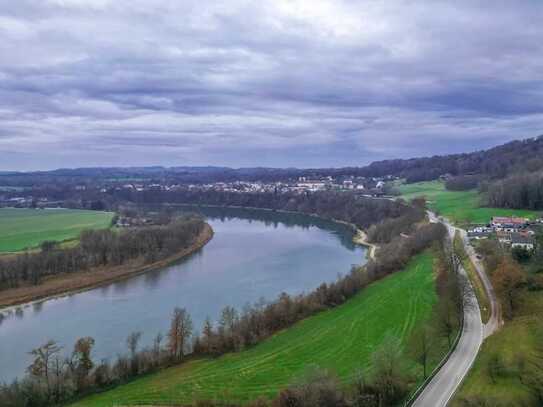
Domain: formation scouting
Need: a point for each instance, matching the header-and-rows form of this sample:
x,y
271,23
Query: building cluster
x,y
360,185
28,201
511,231
364,186
133,221
37,198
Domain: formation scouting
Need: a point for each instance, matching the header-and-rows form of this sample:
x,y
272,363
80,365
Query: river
x,y
253,255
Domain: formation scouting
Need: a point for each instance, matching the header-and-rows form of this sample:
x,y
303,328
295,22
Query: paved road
x,y
495,319
444,384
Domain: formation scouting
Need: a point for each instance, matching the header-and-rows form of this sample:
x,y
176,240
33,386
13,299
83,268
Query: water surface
x,y
253,255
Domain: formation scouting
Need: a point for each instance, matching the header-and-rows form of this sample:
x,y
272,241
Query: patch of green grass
x,y
516,339
461,207
342,339
27,228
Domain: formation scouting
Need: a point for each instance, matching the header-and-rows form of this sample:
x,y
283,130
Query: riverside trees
x,y
345,206
101,248
179,334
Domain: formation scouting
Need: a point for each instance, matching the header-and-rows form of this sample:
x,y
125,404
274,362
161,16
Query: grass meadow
x,y
518,340
461,207
341,339
27,228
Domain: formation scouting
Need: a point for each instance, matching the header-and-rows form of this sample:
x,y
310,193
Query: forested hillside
x,y
522,191
498,162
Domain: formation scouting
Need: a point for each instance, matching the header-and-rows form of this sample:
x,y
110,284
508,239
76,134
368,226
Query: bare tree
x,y
389,380
43,362
180,332
447,319
507,279
229,317
81,361
132,342
420,347
157,347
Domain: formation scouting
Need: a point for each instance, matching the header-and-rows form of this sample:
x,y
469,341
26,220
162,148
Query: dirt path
x,y
361,238
65,284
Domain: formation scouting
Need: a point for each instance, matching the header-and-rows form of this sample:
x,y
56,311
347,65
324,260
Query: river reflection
x,y
254,254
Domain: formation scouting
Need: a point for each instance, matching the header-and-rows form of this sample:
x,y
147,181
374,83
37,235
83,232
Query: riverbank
x,y
360,237
61,285
264,369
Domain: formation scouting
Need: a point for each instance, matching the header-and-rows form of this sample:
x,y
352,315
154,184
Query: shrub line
x,y
425,383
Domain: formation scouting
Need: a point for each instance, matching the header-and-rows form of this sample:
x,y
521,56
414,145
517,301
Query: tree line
x,y
515,157
53,378
385,230
100,248
462,182
361,211
524,191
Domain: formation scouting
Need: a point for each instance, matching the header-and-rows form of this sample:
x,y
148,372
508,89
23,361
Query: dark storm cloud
x,y
304,83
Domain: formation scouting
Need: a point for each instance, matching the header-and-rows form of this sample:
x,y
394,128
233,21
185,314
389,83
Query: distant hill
x,y
495,163
498,162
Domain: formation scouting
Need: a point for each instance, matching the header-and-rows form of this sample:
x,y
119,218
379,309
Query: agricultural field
x,y
461,207
341,339
27,228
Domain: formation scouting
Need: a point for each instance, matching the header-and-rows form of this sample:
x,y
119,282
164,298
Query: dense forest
x,y
498,162
100,248
54,377
524,191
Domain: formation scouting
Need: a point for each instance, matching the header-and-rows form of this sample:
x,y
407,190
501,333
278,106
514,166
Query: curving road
x,y
495,320
440,390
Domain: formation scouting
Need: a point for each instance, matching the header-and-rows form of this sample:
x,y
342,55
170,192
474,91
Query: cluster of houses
x,y
511,231
133,221
359,185
28,202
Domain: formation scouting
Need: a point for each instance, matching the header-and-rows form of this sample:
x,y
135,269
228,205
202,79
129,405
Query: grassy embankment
x,y
461,207
27,228
477,283
517,340
342,339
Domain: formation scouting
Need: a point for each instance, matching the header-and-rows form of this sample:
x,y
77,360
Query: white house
x,y
522,241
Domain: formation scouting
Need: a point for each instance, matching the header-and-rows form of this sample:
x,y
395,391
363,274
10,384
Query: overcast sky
x,y
263,83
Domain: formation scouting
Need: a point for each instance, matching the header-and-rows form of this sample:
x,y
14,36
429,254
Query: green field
x,y
342,339
517,340
27,228
461,207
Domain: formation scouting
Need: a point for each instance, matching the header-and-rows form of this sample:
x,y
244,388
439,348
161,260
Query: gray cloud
x,y
304,83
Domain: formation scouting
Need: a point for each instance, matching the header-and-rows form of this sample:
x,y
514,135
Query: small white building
x,y
522,241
